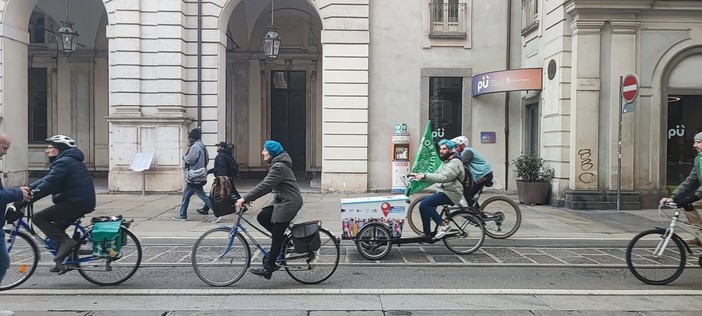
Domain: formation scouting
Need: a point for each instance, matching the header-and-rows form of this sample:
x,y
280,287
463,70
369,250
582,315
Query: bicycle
x,y
22,244
501,216
221,256
648,255
374,241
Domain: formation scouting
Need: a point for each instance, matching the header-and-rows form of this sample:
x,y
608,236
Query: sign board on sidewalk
x,y
141,162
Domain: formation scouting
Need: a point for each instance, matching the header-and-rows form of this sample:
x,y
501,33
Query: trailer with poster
x,y
357,212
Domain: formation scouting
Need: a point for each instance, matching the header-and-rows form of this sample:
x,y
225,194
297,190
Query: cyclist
x,y
690,190
450,175
72,190
286,202
478,169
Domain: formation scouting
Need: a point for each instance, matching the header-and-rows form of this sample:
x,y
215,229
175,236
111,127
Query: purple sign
x,y
488,137
507,80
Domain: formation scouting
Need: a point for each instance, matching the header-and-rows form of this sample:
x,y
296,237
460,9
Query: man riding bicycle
x,y
72,190
478,169
450,174
690,191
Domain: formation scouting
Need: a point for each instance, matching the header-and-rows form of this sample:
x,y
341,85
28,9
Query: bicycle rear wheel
x,y
316,267
503,217
374,241
24,257
108,270
414,219
467,233
220,259
656,267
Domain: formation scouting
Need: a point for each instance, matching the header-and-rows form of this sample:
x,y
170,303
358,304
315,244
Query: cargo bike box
x,y
357,212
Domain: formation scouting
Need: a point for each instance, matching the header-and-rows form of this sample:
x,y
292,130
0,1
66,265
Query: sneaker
x,y
441,231
65,249
7,313
202,211
216,219
178,218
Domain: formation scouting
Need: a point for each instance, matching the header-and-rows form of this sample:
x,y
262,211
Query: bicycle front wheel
x,y
414,219
314,267
24,257
467,233
502,217
652,262
220,259
111,270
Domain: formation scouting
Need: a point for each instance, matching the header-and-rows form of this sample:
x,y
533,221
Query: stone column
x,y
585,99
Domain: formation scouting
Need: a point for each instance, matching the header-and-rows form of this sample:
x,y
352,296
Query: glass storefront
x,y
684,121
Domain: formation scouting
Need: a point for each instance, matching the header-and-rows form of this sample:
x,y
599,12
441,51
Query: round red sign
x,y
630,88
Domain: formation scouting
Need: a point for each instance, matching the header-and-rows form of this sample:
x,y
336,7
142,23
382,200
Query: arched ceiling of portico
x,y
256,8
87,15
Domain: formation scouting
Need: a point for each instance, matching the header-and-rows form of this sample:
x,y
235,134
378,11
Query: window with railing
x,y
447,19
530,14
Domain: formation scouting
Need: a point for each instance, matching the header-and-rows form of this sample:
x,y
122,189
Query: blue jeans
x,y
4,256
191,189
427,209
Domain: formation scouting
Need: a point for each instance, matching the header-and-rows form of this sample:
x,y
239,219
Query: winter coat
x,y
224,164
68,181
692,184
287,200
450,176
196,163
476,164
8,196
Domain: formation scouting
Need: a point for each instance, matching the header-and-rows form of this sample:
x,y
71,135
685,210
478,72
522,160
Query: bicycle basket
x,y
12,215
108,238
305,237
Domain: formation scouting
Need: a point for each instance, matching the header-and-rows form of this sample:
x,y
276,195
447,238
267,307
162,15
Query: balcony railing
x,y
447,20
530,13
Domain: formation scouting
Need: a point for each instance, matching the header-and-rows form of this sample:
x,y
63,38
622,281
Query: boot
x,y
264,271
693,217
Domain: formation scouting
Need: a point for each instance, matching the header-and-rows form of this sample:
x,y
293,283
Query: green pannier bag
x,y
108,238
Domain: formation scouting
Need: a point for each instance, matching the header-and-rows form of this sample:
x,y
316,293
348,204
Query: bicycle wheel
x,y
414,219
24,257
467,233
502,217
220,259
108,270
647,265
374,241
316,267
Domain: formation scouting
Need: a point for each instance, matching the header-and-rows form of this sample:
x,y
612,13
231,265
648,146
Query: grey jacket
x,y
196,163
692,184
287,200
450,174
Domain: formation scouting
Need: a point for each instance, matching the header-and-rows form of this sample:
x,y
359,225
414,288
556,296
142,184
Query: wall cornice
x,y
629,6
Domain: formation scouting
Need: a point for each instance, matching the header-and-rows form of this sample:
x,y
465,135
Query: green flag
x,y
426,161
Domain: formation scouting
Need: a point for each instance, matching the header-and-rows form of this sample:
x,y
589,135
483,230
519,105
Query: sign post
x,y
628,92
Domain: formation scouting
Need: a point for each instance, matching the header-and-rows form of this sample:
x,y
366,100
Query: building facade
x,y
146,72
584,46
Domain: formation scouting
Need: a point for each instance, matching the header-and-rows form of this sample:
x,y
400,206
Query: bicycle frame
x,y
239,226
670,231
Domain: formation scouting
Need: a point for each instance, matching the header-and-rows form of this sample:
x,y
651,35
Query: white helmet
x,y
461,140
61,140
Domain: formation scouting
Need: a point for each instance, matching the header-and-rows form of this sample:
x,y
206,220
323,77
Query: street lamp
x,y
271,40
66,36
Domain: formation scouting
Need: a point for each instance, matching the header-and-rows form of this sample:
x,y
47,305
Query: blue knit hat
x,y
274,148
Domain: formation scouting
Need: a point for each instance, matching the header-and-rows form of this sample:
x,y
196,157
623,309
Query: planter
x,y
532,193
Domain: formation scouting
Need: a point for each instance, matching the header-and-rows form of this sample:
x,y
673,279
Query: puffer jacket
x,y
449,177
287,200
68,181
692,184
196,163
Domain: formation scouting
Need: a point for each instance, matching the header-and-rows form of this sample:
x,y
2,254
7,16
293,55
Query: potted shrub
x,y
533,179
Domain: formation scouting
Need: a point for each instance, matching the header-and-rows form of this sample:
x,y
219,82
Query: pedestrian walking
x,y
224,166
195,176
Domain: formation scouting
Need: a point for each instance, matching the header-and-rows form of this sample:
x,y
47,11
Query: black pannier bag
x,y
305,237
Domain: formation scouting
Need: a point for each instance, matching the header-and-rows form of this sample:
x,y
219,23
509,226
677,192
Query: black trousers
x,y
470,191
54,220
277,232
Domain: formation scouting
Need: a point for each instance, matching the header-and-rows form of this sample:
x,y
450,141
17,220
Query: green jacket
x,y
692,182
450,175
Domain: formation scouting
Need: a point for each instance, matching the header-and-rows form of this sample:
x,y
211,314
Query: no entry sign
x,y
630,88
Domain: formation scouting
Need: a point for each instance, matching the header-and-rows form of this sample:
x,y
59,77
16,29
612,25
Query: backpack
x,y
233,170
221,196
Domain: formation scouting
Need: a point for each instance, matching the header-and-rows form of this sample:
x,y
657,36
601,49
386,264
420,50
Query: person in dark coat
x,y
7,196
224,165
72,192
286,202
